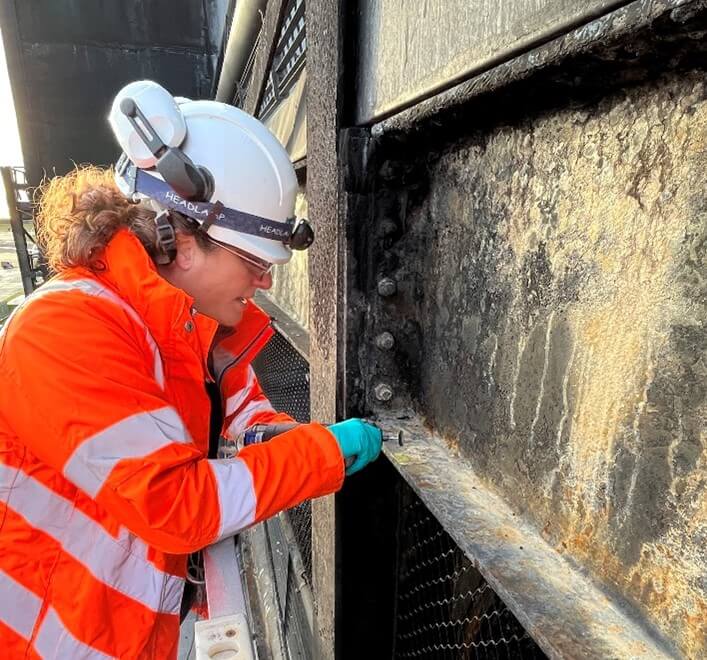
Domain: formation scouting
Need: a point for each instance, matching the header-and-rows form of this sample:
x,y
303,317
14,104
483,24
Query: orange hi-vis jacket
x,y
105,484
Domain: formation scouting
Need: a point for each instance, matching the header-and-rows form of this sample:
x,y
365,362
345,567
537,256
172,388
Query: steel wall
x,y
549,311
407,51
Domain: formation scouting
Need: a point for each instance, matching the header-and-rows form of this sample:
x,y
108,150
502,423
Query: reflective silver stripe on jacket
x,y
242,420
55,641
236,495
98,290
106,558
233,403
19,607
133,437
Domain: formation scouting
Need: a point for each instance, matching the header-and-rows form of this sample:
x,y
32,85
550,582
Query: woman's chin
x,y
233,315
229,317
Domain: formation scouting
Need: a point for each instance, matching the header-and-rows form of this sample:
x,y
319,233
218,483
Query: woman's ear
x,y
187,252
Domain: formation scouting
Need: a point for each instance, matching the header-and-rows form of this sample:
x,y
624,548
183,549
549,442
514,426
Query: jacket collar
x,y
164,308
132,274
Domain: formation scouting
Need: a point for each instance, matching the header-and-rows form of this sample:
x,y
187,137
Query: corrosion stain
x,y
595,234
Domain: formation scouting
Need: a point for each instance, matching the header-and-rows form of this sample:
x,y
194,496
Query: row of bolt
x,y
385,340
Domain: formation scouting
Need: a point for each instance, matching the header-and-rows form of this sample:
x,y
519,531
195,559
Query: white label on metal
x,y
224,638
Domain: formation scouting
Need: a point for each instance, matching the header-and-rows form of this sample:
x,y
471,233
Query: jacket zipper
x,y
243,353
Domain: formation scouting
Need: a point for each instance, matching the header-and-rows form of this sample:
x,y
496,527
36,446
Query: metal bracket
x,y
166,238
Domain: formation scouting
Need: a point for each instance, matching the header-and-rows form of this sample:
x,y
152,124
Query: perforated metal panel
x,y
284,376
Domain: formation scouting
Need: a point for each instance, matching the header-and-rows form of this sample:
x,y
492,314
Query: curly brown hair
x,y
78,214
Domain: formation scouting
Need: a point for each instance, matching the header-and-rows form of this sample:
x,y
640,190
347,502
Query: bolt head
x,y
383,392
387,227
385,341
387,287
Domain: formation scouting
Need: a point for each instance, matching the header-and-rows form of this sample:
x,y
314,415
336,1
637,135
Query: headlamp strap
x,y
216,210
209,214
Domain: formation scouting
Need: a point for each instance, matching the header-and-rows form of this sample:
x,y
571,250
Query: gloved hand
x,y
359,441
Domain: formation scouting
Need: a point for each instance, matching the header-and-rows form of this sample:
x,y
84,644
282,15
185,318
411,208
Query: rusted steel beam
x,y
579,52
567,614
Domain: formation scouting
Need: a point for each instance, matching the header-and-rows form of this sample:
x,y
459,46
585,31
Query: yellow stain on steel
x,y
623,203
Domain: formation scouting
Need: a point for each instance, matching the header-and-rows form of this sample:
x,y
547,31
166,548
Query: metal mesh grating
x,y
444,607
301,520
284,376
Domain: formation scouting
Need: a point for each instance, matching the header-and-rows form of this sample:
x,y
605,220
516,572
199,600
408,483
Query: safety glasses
x,y
258,266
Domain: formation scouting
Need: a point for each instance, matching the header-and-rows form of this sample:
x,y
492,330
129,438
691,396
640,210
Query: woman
x,y
105,480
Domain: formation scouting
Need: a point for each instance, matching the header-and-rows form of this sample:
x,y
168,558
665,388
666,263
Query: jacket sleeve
x,y
245,404
82,395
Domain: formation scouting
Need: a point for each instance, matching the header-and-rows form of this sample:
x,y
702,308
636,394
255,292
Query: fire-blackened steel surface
x,y
548,247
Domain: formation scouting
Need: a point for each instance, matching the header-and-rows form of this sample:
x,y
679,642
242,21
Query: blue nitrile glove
x,y
359,441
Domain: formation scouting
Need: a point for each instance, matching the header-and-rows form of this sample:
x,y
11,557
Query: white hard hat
x,y
211,162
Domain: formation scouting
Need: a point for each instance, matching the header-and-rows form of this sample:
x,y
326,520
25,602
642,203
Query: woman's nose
x,y
263,281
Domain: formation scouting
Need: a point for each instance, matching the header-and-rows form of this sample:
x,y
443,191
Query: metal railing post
x,y
18,233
